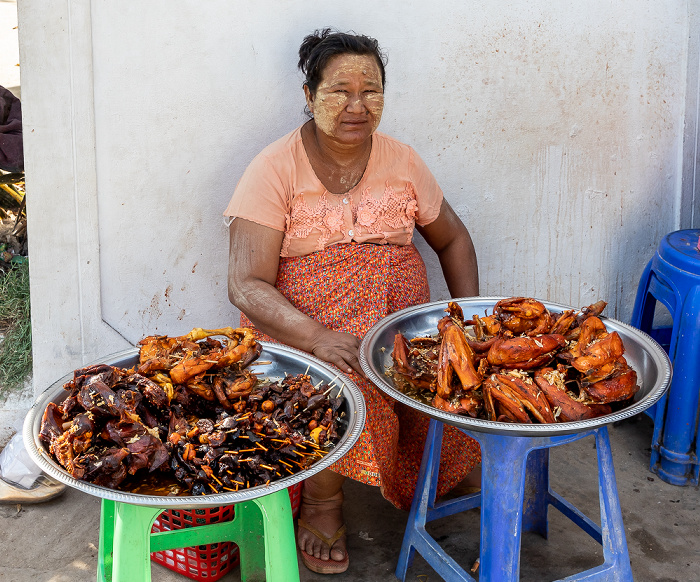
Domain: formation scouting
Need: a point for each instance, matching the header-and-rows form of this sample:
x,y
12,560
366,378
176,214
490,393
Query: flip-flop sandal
x,y
324,566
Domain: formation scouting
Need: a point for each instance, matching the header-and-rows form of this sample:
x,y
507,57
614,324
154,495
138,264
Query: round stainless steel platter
x,y
643,354
274,363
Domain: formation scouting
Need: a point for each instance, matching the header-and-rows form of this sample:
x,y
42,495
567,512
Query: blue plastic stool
x,y
513,499
673,278
262,528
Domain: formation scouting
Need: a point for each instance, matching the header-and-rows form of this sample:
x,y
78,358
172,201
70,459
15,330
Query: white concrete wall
x,y
555,129
9,47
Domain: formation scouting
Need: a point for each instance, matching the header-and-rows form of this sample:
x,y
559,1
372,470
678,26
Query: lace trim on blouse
x,y
393,211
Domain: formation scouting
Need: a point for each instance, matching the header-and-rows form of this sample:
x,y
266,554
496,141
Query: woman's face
x,y
349,100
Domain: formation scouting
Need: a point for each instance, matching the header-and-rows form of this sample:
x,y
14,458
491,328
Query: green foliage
x,y
15,325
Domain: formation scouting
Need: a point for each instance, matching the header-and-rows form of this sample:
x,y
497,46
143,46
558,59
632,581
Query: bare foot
x,y
325,515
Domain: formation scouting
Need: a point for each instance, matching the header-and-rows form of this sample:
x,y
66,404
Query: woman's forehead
x,y
341,67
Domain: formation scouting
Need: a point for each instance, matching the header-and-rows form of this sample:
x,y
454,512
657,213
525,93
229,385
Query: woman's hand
x,y
340,349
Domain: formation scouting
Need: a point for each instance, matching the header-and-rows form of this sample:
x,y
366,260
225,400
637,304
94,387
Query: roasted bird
x,y
519,364
191,414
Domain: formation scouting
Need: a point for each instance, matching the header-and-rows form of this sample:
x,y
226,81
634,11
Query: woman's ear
x,y
309,99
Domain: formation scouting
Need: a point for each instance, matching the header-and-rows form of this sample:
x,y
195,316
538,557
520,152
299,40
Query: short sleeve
x,y
260,196
428,193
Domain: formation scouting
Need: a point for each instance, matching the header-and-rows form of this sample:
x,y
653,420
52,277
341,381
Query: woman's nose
x,y
356,104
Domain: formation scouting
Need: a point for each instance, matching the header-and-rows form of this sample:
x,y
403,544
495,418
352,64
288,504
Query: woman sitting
x,y
321,250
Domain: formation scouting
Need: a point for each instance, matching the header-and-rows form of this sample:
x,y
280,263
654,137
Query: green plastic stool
x,y
262,528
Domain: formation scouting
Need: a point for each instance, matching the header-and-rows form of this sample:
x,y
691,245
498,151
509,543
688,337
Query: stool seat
x,y
672,278
680,248
514,497
262,528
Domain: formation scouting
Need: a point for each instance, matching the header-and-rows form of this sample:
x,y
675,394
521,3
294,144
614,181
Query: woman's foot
x,y
473,479
470,484
321,534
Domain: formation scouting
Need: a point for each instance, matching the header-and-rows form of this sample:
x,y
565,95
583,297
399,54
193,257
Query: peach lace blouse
x,y
279,189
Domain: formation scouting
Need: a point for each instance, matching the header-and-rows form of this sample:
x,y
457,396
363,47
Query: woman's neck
x,y
338,166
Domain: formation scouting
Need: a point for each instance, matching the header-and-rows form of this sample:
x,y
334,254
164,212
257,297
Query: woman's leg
x,y
474,478
322,508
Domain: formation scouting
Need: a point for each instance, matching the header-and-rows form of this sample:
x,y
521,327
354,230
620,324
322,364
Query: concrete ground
x,y
57,541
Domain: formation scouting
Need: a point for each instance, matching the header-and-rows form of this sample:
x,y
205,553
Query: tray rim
x,y
46,463
655,351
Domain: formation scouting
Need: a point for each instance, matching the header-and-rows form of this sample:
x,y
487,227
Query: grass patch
x,y
15,325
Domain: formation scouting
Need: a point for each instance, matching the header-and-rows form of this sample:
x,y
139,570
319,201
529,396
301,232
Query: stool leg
x,y
131,558
266,539
536,489
503,460
650,288
616,567
106,543
643,311
614,542
423,498
657,414
678,461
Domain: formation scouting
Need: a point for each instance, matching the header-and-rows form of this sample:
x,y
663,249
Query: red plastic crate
x,y
205,563
295,498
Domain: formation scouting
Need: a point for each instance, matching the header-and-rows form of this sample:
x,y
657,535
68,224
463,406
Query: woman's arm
x,y
450,239
252,271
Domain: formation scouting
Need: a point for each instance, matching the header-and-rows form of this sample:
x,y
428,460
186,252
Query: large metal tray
x,y
642,353
283,360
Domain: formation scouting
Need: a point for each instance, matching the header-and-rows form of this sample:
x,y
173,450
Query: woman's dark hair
x,y
321,46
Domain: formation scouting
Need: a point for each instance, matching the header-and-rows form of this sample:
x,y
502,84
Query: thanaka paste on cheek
x,y
326,110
